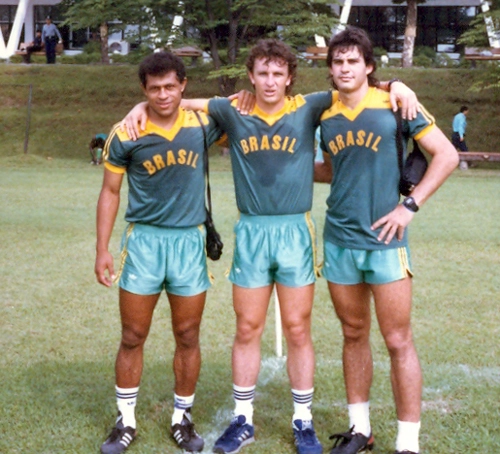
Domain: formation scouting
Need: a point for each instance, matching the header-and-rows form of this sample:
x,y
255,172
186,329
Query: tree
x,y
410,31
477,36
225,28
101,14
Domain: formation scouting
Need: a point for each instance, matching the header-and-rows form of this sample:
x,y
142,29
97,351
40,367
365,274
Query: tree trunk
x,y
104,43
410,34
227,85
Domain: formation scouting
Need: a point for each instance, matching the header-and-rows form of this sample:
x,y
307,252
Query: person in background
x,y
50,36
459,126
458,135
96,146
35,46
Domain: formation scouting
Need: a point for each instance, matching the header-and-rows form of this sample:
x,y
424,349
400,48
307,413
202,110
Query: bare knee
x,y
248,331
399,342
298,334
356,332
133,338
187,336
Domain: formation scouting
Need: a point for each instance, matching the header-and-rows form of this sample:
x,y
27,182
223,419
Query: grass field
x,y
72,101
60,329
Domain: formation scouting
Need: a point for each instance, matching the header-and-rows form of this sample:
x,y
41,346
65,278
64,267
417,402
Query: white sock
x,y
407,438
302,403
126,399
359,417
243,400
181,405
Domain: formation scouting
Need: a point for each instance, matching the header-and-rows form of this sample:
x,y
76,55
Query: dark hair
x,y
354,37
274,50
97,142
463,109
159,64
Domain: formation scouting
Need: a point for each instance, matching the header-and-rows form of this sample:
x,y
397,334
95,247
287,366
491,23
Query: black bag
x,y
214,243
413,170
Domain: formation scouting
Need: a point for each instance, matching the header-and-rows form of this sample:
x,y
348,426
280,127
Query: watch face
x,y
409,203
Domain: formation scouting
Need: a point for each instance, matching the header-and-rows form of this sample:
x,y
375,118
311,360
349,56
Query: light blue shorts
x,y
272,249
156,258
354,266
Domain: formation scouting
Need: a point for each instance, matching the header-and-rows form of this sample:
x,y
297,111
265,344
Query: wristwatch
x,y
392,81
410,204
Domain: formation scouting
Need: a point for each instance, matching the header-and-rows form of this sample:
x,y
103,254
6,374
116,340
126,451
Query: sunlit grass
x,y
60,329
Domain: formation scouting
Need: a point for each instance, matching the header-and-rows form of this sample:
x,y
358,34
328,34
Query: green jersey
x,y
362,146
165,170
272,156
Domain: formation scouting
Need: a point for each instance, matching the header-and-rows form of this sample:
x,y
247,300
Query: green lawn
x,y
60,329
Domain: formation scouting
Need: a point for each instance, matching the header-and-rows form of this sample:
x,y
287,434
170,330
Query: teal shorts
x,y
272,249
156,258
354,266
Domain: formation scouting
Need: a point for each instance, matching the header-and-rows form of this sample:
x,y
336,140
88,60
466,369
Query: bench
x,y
316,53
476,156
189,51
475,54
41,53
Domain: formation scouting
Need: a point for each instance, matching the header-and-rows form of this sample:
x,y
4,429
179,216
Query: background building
x,y
439,22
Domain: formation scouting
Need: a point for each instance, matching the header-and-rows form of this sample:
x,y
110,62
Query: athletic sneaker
x,y
237,435
306,441
185,435
119,439
351,442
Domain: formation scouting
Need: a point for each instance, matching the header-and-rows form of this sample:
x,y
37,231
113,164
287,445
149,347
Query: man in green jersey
x,y
163,246
272,156
365,242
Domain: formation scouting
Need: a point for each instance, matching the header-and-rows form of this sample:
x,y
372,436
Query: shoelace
x,y
308,436
232,429
117,433
343,436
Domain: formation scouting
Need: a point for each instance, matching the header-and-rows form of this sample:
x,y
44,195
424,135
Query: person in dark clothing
x,y
35,46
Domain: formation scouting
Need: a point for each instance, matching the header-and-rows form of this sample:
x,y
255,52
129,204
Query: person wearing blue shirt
x,y
50,36
459,126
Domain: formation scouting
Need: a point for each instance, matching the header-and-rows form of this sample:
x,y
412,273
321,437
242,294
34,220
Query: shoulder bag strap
x,y
399,139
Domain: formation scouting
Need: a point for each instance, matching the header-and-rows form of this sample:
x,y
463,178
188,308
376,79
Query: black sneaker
x,y
351,442
185,435
119,439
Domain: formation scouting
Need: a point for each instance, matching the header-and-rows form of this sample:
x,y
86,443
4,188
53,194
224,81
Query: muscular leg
x,y
136,314
186,319
295,307
250,306
393,308
352,305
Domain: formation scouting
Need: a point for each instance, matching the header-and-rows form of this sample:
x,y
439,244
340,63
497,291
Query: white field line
x,y
273,367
